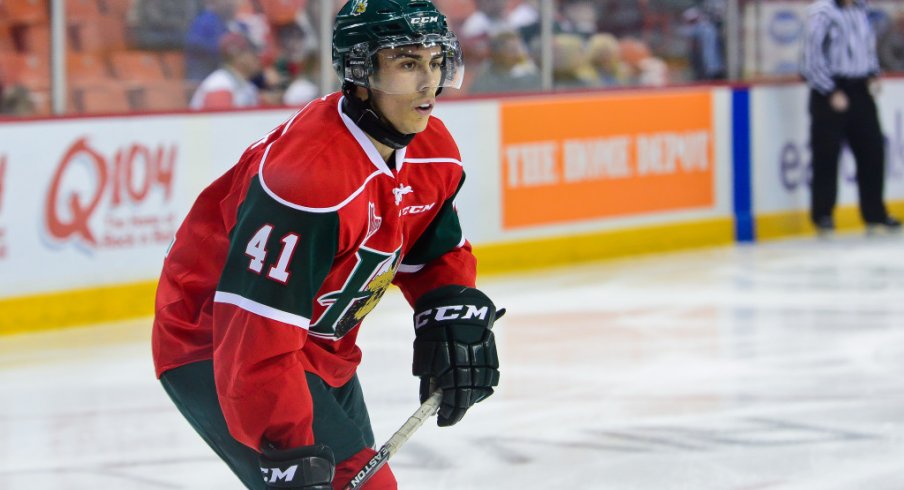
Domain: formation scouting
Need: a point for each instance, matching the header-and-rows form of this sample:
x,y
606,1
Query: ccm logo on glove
x,y
447,313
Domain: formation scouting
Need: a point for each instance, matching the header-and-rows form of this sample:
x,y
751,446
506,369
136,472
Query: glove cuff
x,y
305,467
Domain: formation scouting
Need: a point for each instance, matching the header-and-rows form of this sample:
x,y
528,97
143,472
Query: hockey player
x,y
266,284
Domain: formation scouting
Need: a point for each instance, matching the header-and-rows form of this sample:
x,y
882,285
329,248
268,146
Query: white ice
x,y
777,366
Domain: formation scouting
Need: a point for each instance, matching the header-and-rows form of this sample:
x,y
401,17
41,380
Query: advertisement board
x,y
782,156
96,201
569,160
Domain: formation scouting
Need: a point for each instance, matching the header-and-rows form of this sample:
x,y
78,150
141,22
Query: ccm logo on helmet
x,y
424,20
446,313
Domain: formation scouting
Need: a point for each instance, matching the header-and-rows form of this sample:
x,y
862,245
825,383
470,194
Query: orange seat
x,y
86,67
30,70
36,39
102,34
164,96
101,98
6,39
281,12
137,66
26,11
173,64
82,10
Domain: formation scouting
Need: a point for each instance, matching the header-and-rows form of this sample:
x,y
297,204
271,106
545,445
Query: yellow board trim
x,y
792,223
77,307
113,303
548,252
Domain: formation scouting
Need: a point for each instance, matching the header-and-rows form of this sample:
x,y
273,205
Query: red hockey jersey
x,y
280,259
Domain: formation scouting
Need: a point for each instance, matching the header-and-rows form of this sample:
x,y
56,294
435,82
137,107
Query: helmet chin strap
x,y
368,119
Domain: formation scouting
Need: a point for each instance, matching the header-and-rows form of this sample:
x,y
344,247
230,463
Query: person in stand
x,y
202,41
268,279
841,67
232,85
508,68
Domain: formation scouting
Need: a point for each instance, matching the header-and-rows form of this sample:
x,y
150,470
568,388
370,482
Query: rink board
x,y
782,159
88,205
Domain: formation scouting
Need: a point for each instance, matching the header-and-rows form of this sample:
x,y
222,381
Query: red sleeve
x,y
458,266
278,258
260,378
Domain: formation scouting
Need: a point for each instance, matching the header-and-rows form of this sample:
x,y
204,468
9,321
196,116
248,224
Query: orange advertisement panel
x,y
582,158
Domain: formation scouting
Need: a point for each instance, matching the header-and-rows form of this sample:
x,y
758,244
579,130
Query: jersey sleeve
x,y
814,65
279,255
441,256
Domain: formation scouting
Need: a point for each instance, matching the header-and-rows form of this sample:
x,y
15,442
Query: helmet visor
x,y
412,68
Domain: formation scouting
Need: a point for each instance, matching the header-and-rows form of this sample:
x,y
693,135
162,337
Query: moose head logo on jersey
x,y
400,191
359,295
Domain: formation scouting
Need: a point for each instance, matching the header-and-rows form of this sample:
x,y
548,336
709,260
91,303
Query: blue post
x,y
740,153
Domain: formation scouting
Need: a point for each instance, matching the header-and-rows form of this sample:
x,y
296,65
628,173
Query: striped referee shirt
x,y
840,43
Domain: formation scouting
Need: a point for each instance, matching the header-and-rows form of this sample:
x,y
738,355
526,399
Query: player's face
x,y
404,88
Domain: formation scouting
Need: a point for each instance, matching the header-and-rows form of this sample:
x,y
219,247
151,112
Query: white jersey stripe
x,y
261,309
432,160
410,269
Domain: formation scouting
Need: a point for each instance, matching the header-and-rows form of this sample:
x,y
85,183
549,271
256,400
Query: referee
x,y
842,69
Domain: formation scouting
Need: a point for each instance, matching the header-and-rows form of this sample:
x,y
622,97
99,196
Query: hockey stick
x,y
426,410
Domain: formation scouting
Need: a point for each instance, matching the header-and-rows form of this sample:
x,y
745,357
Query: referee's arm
x,y
815,67
873,50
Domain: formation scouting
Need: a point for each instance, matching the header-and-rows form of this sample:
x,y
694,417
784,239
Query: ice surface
x,y
775,366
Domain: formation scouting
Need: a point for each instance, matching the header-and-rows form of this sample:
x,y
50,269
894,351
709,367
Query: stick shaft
x,y
397,440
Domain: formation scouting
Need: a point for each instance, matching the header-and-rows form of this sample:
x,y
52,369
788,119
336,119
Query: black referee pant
x,y
859,126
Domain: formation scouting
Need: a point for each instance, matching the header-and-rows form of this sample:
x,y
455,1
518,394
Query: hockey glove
x,y
454,348
305,467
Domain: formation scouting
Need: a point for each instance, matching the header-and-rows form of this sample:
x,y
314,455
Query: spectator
x,y
489,19
15,100
622,17
300,91
508,69
578,17
706,53
603,52
632,52
569,63
231,85
294,65
842,69
202,53
524,13
654,72
161,24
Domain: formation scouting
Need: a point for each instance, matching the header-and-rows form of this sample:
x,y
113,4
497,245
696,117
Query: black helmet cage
x,y
361,59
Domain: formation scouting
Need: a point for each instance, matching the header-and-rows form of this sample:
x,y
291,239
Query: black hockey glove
x,y
454,348
305,467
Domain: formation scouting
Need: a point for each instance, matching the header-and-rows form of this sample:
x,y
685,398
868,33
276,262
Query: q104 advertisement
x,y
84,204
92,202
